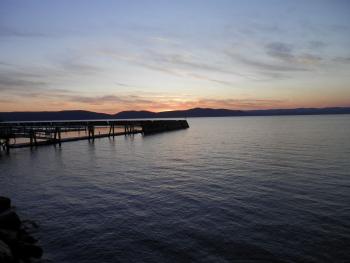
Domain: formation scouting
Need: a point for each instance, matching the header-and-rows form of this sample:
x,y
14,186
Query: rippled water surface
x,y
274,189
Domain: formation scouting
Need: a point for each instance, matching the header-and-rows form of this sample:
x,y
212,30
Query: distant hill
x,y
299,111
135,115
196,112
207,112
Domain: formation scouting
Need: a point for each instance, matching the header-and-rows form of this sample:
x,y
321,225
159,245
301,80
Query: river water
x,y
239,189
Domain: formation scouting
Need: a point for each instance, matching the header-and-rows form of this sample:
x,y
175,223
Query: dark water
x,y
226,190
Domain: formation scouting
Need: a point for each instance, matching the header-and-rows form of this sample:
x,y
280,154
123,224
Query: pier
x,y
30,134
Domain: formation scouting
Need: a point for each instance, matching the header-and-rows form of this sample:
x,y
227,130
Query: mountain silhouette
x,y
190,113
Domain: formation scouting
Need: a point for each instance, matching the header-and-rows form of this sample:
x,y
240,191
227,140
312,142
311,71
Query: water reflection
x,y
251,189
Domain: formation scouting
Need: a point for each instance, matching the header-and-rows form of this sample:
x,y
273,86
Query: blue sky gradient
x,y
110,56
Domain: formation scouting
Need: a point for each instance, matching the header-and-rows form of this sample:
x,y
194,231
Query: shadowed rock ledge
x,y
16,244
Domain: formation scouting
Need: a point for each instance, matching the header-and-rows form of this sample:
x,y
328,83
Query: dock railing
x,y
35,133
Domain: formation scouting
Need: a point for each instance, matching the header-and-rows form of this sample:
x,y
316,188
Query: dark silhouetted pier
x,y
29,134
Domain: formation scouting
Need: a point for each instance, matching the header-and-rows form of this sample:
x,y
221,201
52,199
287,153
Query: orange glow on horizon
x,y
155,106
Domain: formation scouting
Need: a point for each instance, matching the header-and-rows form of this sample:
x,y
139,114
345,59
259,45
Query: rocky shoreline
x,y
16,243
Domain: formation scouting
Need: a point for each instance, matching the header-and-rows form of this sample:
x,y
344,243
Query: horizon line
x,y
203,108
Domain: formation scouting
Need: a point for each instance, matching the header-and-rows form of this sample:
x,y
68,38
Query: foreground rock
x,y
16,244
5,203
5,253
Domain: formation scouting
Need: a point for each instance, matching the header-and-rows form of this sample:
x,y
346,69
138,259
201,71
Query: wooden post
x,y
7,144
59,135
91,129
110,131
31,134
34,137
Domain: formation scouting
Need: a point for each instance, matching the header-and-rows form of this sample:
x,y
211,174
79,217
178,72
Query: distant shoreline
x,y
190,113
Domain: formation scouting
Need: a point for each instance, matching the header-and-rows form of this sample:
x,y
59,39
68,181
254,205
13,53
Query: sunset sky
x,y
109,56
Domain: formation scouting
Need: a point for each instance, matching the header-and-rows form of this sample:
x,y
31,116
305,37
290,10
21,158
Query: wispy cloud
x,y
244,103
16,81
185,60
114,103
317,44
178,63
343,60
74,65
7,100
30,82
40,80
276,60
164,40
106,99
7,31
280,51
262,65
203,77
132,102
286,53
122,84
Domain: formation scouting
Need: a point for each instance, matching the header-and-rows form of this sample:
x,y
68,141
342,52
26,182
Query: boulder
x,y
29,224
10,220
5,203
16,243
5,253
9,236
27,250
25,237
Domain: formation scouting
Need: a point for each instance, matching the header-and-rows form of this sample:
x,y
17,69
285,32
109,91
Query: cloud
x,y
5,64
122,99
73,65
286,53
18,82
269,66
100,99
146,102
317,44
277,60
122,84
201,77
164,40
28,85
6,31
6,101
308,59
239,104
280,51
74,62
343,60
244,103
53,32
38,81
180,64
188,61
114,103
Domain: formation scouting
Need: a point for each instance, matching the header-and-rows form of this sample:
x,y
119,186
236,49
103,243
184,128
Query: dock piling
x,y
50,132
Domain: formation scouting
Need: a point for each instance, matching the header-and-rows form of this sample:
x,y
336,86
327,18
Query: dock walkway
x,y
36,133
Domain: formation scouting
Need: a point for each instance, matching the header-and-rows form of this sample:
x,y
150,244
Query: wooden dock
x,y
52,132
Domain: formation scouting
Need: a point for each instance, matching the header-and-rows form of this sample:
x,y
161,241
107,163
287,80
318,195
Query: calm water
x,y
274,189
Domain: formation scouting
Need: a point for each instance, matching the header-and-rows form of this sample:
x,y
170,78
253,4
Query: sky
x,y
110,56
